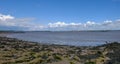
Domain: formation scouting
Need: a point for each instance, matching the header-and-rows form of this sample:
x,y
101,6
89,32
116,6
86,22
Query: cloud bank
x,y
9,22
12,23
89,25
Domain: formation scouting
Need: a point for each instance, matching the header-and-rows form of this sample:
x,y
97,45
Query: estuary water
x,y
75,38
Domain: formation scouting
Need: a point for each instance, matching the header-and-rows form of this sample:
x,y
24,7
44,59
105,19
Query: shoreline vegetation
x,y
14,51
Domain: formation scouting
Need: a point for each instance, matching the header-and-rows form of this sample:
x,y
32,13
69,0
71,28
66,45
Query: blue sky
x,y
66,12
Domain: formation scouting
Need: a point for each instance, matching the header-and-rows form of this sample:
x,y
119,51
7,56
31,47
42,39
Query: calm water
x,y
70,38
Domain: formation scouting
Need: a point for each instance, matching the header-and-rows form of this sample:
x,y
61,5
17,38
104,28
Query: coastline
x,y
16,51
13,45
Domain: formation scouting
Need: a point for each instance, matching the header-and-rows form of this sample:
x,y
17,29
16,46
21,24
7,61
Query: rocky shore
x,y
14,51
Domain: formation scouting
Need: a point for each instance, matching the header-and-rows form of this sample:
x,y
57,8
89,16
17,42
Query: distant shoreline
x,y
13,31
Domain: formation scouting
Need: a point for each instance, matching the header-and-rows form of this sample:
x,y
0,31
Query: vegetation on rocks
x,y
14,51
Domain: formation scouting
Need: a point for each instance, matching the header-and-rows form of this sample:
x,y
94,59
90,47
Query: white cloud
x,y
5,17
62,24
90,23
108,21
75,24
57,24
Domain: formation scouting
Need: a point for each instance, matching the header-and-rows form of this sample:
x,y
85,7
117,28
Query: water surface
x,y
76,38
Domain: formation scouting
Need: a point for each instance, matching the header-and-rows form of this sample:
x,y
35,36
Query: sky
x,y
59,15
